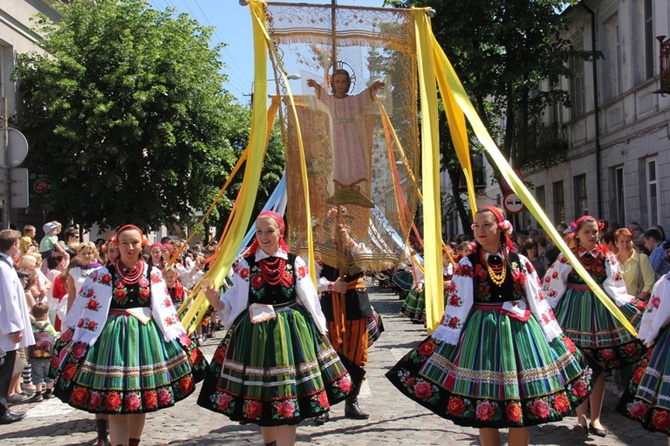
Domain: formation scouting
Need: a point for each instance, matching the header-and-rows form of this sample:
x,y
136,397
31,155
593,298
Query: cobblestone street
x,y
394,420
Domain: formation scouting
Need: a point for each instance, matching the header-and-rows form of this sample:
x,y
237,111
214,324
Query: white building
x,y
618,129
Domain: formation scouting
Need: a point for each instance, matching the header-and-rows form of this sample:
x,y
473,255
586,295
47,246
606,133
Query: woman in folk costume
x,y
498,359
647,398
585,319
275,367
124,321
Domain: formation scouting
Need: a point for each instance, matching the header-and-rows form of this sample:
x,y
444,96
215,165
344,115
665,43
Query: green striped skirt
x,y
414,306
129,369
647,397
591,326
501,373
275,372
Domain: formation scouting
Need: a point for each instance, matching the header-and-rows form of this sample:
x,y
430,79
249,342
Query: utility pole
x,y
5,179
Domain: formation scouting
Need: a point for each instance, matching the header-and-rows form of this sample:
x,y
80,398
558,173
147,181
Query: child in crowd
x,y
49,243
28,238
40,353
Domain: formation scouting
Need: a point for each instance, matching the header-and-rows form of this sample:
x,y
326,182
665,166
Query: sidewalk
x,y
394,419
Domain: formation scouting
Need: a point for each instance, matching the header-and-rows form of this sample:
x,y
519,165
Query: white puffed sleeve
x,y
460,298
614,285
556,280
307,295
657,314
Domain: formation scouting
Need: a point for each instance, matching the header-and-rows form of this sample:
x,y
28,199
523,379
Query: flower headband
x,y
503,223
145,242
575,225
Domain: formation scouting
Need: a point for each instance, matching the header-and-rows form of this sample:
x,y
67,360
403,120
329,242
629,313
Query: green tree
x,y
502,51
126,111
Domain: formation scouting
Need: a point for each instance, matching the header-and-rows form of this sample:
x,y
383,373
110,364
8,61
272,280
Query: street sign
x,y
512,203
18,187
17,147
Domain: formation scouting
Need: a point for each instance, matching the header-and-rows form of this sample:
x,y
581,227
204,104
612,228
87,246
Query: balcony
x,y
664,78
546,146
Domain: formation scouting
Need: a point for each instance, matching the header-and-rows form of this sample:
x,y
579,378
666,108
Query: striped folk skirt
x,y
591,326
129,369
501,373
414,306
647,397
276,372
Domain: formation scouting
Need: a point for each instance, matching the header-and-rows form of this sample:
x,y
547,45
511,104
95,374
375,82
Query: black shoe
x,y
11,417
321,419
351,410
596,431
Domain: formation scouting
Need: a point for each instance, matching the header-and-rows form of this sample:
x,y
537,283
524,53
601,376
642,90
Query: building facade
x,y
618,128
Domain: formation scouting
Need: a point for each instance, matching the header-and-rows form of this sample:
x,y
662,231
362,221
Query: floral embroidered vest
x,y
596,269
130,296
488,292
262,292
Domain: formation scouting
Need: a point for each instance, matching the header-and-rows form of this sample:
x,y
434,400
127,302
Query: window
x,y
652,199
581,202
649,40
559,203
611,75
540,197
577,80
618,211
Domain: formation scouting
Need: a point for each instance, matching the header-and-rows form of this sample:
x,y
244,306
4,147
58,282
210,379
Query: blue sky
x,y
232,24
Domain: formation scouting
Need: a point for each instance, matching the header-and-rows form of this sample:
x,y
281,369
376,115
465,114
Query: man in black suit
x,y
15,331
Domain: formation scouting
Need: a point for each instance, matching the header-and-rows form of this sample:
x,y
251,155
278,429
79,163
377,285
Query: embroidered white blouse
x,y
556,279
657,314
460,299
236,298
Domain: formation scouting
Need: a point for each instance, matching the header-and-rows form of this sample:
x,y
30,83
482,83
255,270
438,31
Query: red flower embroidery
x,y
422,390
513,412
143,282
80,323
454,300
92,305
322,400
561,403
222,401
132,402
106,279
285,409
638,409
145,293
169,321
68,372
120,294
661,420
256,281
580,389
91,325
540,409
630,349
113,401
154,278
219,355
655,301
79,350
427,348
453,322
302,271
79,396
149,399
167,302
253,409
186,385
66,336
96,401
164,397
456,407
485,411
569,344
637,375
345,384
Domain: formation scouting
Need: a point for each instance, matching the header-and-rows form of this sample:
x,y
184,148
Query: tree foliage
x,y
502,51
125,110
